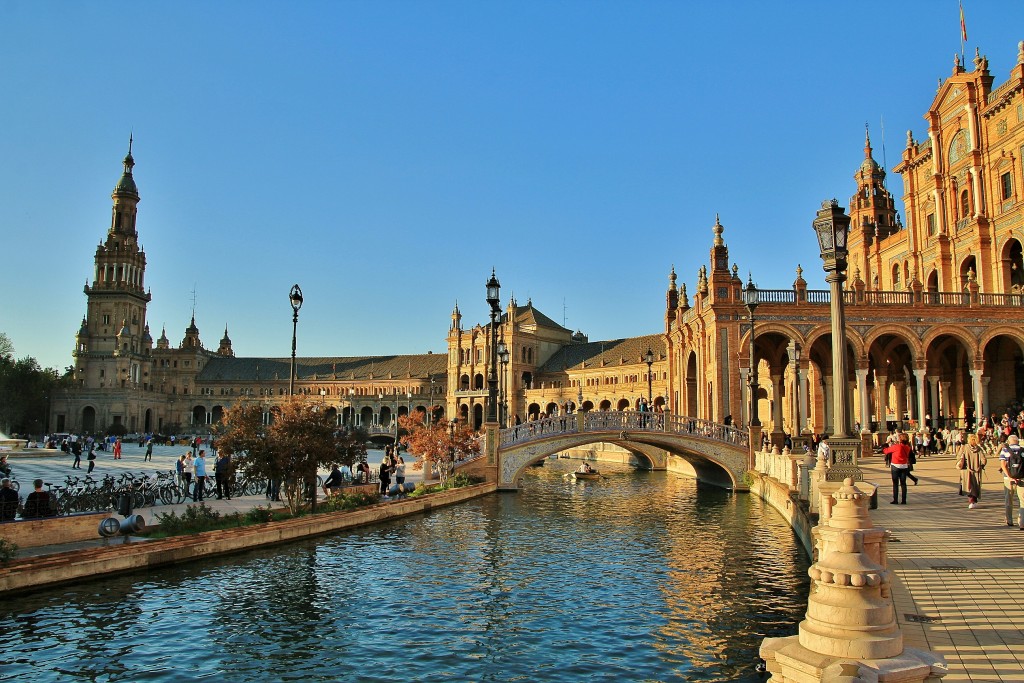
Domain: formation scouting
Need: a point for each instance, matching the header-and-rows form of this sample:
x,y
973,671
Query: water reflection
x,y
642,576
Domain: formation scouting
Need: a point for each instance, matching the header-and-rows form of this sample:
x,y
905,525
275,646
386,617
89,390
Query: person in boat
x,y
585,468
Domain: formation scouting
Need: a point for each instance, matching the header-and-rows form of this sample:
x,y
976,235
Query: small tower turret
x,y
225,345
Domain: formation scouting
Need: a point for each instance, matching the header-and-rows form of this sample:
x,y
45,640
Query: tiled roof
x,y
225,369
613,353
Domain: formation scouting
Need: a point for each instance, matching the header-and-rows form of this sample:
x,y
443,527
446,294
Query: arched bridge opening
x,y
712,453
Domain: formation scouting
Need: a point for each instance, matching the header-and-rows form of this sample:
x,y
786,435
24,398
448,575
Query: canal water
x,y
640,576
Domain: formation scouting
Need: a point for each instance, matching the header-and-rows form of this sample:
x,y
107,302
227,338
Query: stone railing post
x,y
850,631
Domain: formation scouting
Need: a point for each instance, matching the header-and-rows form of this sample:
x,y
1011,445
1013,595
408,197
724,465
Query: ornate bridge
x,y
716,453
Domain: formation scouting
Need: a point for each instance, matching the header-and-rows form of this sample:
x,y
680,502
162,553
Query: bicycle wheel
x,y
167,495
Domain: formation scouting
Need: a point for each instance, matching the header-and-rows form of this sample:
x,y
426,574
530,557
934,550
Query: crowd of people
x,y
996,437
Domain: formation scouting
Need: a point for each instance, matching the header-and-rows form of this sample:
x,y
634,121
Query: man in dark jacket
x,y
8,501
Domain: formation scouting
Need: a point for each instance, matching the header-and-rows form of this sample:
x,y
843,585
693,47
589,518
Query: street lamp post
x,y
751,298
430,403
503,358
352,408
493,289
295,297
649,359
831,226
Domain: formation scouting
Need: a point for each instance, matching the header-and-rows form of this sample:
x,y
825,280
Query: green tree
x,y
301,439
25,392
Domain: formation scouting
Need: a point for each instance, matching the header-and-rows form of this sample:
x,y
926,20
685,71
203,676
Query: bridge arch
x,y
713,453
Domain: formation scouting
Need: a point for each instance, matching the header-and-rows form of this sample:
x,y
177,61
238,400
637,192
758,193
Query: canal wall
x,y
122,556
778,495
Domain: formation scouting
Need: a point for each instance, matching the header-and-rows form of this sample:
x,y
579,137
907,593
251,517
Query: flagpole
x,y
963,35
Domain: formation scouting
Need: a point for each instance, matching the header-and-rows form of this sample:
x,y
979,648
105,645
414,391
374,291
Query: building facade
x,y
933,308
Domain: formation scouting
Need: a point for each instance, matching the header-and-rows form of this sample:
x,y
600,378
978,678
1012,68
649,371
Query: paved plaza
x,y
958,572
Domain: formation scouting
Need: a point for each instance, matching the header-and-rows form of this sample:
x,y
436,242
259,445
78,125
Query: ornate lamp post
x,y
295,297
503,358
493,289
352,408
751,298
831,227
649,359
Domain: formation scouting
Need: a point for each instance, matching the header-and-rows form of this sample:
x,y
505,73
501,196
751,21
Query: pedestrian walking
x,y
971,464
91,458
149,451
76,448
1011,463
117,449
899,465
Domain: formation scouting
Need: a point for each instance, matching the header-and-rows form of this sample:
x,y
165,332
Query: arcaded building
x,y
933,310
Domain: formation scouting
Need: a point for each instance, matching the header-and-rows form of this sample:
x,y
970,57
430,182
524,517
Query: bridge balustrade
x,y
623,421
536,429
681,424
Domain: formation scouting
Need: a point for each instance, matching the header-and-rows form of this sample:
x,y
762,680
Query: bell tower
x,y
113,342
873,215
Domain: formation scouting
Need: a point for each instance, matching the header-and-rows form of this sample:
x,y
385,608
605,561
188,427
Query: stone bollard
x,y
850,619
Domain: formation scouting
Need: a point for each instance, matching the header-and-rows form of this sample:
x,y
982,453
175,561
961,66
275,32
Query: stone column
x,y
933,383
777,409
882,399
850,629
944,398
745,393
805,399
919,377
979,406
826,403
984,394
862,392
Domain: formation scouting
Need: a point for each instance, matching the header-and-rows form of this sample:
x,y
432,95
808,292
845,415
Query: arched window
x,y
896,276
965,204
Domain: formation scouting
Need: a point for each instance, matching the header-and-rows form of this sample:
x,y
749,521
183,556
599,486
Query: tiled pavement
x,y
958,573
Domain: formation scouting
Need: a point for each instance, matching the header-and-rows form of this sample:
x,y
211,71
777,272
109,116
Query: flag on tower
x,y
963,25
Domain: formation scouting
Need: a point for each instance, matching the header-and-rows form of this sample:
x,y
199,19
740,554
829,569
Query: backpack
x,y
1015,463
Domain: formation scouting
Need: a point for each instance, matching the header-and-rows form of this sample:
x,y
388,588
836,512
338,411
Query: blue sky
x,y
385,155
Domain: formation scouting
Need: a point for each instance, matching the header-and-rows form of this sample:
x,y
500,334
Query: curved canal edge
x,y
121,557
777,495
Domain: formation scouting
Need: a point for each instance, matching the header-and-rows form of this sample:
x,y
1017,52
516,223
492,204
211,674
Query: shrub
x,y
7,550
196,518
348,501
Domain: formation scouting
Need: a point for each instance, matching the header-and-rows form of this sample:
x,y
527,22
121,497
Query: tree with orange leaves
x,y
442,443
